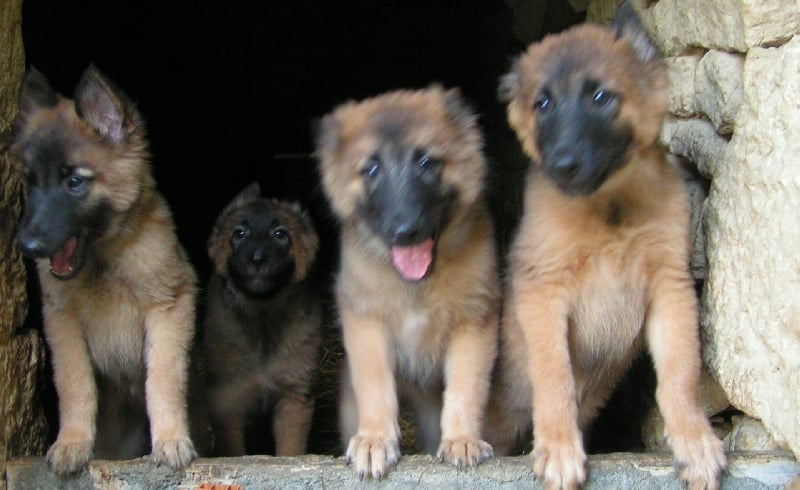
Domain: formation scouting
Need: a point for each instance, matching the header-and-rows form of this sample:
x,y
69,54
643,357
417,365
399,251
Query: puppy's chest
x,y
609,303
607,318
268,338
114,328
419,337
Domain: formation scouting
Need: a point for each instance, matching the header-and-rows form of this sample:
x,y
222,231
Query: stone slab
x,y
642,471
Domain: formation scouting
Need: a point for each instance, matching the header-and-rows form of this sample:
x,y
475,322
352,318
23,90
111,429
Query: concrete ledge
x,y
606,471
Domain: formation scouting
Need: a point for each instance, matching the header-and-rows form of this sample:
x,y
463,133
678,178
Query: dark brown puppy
x,y
118,290
417,289
262,322
599,268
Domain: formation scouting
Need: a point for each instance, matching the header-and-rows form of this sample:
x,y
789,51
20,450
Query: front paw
x,y
464,451
699,459
175,453
372,455
66,457
561,464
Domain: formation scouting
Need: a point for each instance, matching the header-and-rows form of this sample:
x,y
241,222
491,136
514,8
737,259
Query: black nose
x,y
257,257
406,234
565,165
31,246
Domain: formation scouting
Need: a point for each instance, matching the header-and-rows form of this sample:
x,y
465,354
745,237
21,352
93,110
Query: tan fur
x,y
129,313
245,367
422,338
585,295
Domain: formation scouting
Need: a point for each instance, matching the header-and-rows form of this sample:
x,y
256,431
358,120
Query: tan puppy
x,y
263,322
417,288
599,267
118,291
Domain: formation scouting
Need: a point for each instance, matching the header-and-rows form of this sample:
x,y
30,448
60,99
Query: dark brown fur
x,y
434,339
120,321
596,276
262,350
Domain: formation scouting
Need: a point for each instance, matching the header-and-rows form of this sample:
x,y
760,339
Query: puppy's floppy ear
x,y
35,93
326,134
509,84
104,106
458,108
629,27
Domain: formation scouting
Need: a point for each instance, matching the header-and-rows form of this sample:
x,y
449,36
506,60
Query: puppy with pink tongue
x,y
417,290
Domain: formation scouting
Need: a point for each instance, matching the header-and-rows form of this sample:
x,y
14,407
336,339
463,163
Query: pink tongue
x,y
413,262
59,262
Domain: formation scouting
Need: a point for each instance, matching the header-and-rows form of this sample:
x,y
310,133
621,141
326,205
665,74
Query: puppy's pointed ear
x,y
35,93
629,27
217,240
104,106
250,193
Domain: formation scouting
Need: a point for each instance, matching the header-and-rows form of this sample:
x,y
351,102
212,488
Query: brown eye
x,y
371,169
239,234
75,183
542,103
603,97
429,162
281,235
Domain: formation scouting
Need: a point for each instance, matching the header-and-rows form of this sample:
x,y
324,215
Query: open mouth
x,y
66,262
413,262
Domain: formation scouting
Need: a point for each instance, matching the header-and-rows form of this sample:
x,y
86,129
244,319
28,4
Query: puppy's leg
x,y
558,455
375,447
121,422
468,367
231,400
508,425
428,412
672,333
348,410
168,335
77,396
228,432
292,423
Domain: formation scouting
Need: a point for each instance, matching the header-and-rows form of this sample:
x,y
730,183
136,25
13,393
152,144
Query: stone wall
x,y
22,423
735,113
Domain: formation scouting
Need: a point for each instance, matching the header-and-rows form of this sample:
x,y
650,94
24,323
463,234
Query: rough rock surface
x,y
751,317
22,356
620,470
725,25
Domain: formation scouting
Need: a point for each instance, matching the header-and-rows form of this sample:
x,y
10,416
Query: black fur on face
x,y
63,162
405,203
579,140
57,208
261,261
